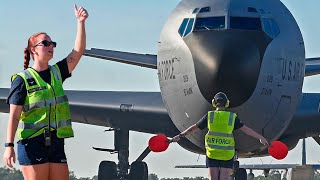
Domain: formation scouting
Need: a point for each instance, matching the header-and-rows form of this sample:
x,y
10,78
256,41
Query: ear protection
x,y
214,102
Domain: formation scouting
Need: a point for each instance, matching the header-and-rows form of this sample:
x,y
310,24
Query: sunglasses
x,y
46,43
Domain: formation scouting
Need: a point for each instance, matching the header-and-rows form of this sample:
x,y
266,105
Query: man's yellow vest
x,y
45,104
219,139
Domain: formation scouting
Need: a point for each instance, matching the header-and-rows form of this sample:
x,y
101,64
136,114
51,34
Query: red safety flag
x,y
278,150
159,143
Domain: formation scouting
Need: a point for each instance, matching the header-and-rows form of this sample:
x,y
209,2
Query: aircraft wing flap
x,y
312,66
143,60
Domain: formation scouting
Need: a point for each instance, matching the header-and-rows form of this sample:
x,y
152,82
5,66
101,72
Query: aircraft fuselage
x,y
251,50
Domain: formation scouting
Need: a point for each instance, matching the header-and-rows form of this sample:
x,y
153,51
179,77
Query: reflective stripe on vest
x,y
231,118
220,147
220,134
55,72
219,139
44,100
211,118
31,126
44,103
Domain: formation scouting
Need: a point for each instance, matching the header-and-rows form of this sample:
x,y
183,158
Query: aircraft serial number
x,y
187,91
269,78
185,78
266,91
166,69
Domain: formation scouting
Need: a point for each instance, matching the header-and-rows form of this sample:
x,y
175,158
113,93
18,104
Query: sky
x,y
131,26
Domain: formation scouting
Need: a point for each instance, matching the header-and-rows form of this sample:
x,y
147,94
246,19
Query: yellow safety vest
x,y
219,139
44,104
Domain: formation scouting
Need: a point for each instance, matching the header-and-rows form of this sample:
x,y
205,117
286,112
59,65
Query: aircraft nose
x,y
228,61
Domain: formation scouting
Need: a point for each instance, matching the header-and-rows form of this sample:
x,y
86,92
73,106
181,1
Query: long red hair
x,y
27,52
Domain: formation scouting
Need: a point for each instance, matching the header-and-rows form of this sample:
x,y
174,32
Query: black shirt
x,y
18,91
203,123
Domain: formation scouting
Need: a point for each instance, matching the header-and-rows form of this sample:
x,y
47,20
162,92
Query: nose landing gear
x,y
109,170
239,173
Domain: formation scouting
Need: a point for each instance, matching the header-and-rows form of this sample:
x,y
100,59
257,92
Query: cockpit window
x,y
186,27
266,26
247,23
210,23
274,27
270,27
195,10
189,27
204,9
183,26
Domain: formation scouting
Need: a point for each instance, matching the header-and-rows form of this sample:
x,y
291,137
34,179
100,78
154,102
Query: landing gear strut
x,y
239,173
109,170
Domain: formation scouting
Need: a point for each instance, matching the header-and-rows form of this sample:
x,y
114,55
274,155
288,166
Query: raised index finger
x,y
75,7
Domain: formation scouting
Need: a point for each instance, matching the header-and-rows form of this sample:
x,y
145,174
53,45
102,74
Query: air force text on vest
x,y
218,141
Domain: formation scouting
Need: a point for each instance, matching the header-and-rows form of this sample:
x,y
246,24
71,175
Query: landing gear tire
x,y
138,171
250,176
241,174
107,170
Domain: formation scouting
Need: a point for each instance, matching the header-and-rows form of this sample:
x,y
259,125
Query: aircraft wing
x,y
305,122
137,111
312,66
150,61
249,166
257,166
143,60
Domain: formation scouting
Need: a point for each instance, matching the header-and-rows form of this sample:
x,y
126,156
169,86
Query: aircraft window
x,y
189,27
251,9
247,23
204,9
183,26
267,27
270,27
274,27
195,10
210,23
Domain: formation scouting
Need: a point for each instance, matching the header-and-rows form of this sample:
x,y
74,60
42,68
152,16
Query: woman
x,y
219,140
39,110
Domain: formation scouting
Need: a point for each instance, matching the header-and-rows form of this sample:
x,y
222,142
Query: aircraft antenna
x,y
304,159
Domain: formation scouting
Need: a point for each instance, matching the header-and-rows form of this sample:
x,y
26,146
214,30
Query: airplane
x,y
251,50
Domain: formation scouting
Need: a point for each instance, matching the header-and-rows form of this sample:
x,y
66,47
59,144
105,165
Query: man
x,y
219,140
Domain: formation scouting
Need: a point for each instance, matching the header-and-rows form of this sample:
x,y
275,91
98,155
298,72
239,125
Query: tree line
x,y
9,174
